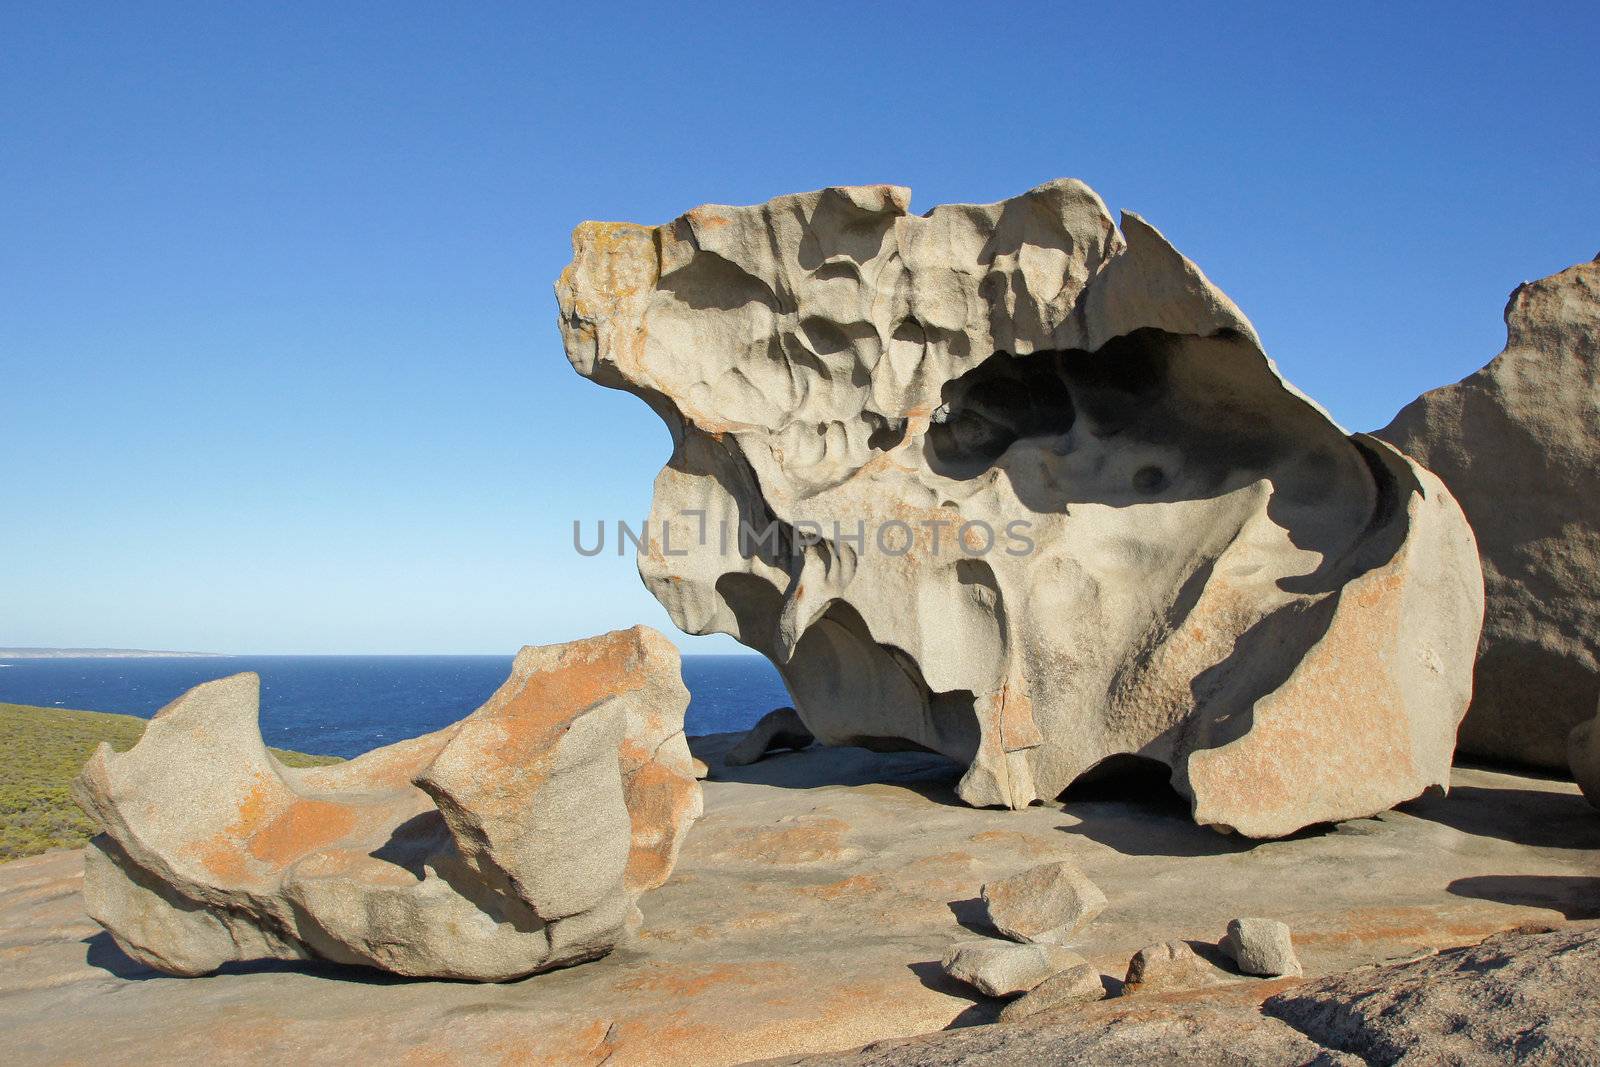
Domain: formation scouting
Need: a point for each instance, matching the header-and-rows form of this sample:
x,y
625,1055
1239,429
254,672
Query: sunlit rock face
x,y
1034,497
1518,443
516,840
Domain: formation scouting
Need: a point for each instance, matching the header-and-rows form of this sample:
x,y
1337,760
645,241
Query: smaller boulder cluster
x,y
1040,910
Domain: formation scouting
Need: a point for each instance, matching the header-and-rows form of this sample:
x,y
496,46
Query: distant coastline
x,y
97,653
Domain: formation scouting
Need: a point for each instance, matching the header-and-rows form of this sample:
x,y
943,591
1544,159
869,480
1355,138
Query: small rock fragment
x,y
1169,967
1004,969
1261,947
1046,904
1079,984
701,771
779,728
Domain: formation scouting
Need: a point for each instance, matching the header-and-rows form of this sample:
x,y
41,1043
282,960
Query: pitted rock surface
x,y
1017,485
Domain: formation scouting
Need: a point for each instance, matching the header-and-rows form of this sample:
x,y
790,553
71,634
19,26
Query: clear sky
x,y
279,366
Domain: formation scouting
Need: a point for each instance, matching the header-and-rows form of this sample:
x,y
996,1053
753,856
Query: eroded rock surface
x,y
1518,443
1519,997
801,917
517,840
1516,998
1014,485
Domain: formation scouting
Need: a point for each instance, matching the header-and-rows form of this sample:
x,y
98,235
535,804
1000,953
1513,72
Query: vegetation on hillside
x,y
41,751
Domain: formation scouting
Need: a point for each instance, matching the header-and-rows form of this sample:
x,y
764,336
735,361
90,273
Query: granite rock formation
x,y
1518,443
1010,483
517,840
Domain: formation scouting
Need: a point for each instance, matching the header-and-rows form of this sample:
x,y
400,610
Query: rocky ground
x,y
811,906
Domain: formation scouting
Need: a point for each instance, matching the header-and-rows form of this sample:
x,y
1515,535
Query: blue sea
x,y
346,705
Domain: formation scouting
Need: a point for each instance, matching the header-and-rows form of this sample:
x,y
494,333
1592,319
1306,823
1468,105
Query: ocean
x,y
346,705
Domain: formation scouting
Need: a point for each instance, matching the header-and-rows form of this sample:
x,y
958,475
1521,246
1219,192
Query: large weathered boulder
x,y
517,840
1012,484
1518,443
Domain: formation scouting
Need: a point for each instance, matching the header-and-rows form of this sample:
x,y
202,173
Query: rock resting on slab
x,y
1005,968
1012,484
1261,946
1518,443
779,728
1047,904
517,840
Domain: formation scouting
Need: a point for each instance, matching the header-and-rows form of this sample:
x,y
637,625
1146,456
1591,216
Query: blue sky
x,y
278,348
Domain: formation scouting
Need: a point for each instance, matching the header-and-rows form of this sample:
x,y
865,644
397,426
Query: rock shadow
x,y
1574,896
1128,804
103,952
972,914
926,774
983,1010
1532,817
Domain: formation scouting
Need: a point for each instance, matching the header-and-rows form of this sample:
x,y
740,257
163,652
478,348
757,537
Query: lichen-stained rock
x,y
1518,443
1012,484
517,840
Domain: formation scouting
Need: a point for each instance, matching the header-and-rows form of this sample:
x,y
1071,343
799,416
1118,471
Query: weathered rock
x,y
1080,984
1583,756
1169,967
1518,443
1519,997
1261,947
516,840
701,771
1013,485
1005,968
779,728
1048,903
